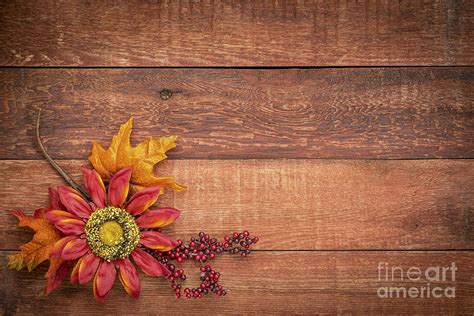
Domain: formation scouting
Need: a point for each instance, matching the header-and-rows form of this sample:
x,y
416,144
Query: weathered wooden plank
x,y
236,33
267,282
292,204
225,113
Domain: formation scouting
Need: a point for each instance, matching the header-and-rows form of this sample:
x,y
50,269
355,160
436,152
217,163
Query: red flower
x,y
106,232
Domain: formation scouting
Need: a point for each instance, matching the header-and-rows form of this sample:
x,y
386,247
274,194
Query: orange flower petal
x,y
119,186
129,277
95,186
70,226
88,268
142,200
157,241
74,202
104,280
74,249
149,265
158,218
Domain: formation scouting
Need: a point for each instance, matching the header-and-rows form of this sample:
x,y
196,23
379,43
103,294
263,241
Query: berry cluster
x,y
202,248
209,283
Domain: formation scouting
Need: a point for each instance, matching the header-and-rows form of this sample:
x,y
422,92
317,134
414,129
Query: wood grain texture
x,y
236,33
292,204
224,113
264,283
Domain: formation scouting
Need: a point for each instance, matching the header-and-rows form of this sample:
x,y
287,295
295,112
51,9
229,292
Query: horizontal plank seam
x,y
238,67
334,250
255,158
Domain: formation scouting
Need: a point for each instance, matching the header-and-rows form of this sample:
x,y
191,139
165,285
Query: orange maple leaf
x,y
141,158
38,249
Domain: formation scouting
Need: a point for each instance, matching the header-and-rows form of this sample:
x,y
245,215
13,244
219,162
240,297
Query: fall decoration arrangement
x,y
109,227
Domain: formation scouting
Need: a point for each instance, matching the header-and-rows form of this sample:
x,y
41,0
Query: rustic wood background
x,y
340,132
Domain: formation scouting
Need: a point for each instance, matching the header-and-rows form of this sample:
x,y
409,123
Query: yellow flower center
x,y
111,233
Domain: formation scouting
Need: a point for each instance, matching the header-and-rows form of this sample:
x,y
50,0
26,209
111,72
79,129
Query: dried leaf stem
x,y
53,163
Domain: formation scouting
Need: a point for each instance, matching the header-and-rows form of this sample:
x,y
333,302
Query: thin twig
x,y
53,163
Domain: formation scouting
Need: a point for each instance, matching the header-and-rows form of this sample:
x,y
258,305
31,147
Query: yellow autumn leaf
x,y
37,250
141,158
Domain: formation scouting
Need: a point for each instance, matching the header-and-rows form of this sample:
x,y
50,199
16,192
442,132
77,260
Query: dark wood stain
x,y
291,204
325,113
267,282
325,224
236,33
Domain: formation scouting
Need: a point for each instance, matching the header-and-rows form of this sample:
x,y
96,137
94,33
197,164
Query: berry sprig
x,y
201,249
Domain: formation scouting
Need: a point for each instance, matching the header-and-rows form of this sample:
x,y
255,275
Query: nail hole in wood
x,y
165,94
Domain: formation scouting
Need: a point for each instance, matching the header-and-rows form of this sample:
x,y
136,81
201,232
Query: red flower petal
x,y
54,201
158,218
75,271
57,215
157,241
74,202
129,277
95,186
57,272
118,187
59,246
142,200
104,280
147,262
74,249
70,226
88,268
